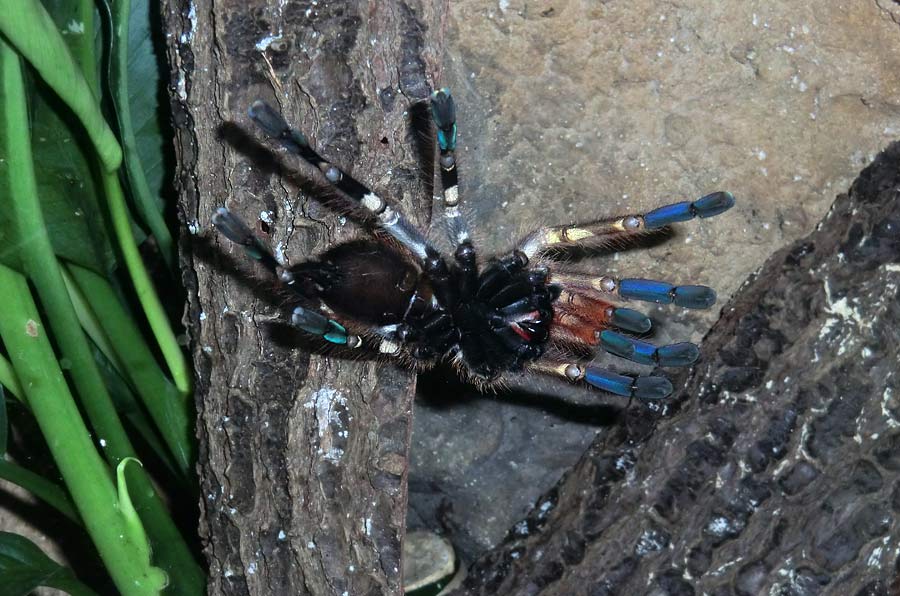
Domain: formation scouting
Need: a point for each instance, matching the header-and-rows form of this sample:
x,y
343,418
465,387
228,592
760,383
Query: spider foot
x,y
443,112
639,387
328,329
233,227
642,352
707,206
629,320
648,290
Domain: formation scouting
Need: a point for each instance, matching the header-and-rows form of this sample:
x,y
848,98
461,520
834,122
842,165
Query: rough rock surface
x,y
573,109
777,470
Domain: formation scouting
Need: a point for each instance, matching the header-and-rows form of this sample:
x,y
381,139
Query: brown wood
x,y
303,458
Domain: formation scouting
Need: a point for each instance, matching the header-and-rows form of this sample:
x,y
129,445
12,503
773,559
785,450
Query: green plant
x,y
75,355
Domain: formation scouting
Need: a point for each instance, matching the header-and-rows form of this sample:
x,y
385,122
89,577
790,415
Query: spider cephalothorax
x,y
518,312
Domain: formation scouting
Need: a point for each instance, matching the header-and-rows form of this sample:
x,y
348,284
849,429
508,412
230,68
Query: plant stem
x,y
142,199
84,472
170,410
39,262
9,380
156,316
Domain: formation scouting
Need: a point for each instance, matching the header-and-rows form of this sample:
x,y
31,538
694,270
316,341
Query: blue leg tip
x,y
652,387
630,320
713,204
627,347
681,354
316,324
618,344
668,214
694,296
337,333
646,290
309,321
609,381
640,387
443,112
642,352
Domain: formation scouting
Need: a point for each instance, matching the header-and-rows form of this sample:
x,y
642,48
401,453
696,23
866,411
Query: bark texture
x,y
303,459
777,470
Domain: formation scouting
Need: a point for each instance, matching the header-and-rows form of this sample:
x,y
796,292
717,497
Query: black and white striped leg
x,y
443,112
599,233
389,217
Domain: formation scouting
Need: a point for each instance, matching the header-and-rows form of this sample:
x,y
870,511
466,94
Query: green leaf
x,y
31,30
4,423
171,411
47,491
139,98
67,188
24,567
129,408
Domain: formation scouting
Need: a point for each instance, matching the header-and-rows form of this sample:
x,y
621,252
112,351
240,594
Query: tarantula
x,y
518,312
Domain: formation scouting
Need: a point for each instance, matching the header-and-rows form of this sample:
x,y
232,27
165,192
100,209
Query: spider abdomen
x,y
367,281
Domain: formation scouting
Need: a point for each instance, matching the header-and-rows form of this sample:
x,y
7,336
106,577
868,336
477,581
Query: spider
x,y
520,311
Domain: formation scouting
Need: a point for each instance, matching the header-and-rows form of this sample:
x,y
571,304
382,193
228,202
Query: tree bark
x,y
303,457
777,469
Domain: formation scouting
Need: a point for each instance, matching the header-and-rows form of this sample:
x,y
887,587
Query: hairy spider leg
x,y
573,322
233,227
389,217
645,290
641,387
605,231
582,320
587,305
443,113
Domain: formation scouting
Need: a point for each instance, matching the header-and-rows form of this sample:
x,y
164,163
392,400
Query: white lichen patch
x,y
887,400
263,44
328,404
843,309
719,526
649,542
